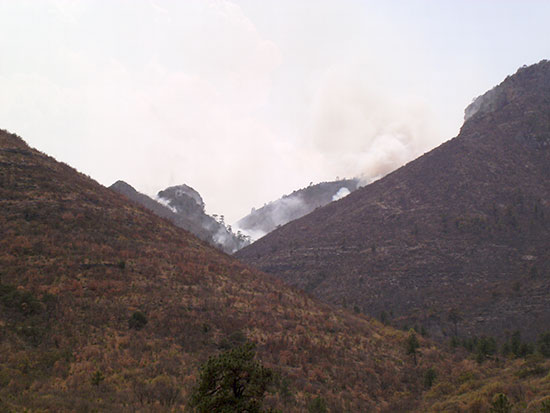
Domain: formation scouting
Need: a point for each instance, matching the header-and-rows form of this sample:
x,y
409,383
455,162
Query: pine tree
x,y
412,345
231,382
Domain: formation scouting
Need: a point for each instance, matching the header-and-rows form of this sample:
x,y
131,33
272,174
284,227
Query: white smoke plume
x,y
254,234
166,203
222,236
359,130
342,192
272,215
485,103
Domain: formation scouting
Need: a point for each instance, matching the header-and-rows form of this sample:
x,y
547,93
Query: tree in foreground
x,y
231,382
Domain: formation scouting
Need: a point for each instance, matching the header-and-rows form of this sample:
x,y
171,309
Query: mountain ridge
x,y
184,207
105,306
300,202
78,262
455,221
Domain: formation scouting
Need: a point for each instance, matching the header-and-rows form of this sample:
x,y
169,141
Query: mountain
x,y
456,241
105,306
263,220
184,207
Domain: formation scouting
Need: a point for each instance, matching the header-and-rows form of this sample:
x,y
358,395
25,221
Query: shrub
x,y
317,405
545,406
412,344
543,344
97,378
429,377
23,301
137,321
501,404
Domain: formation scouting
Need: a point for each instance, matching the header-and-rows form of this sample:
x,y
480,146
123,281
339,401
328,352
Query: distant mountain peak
x,y
180,193
122,186
184,207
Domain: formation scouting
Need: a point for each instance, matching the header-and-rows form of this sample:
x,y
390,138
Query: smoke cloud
x,y
247,100
166,203
342,192
361,131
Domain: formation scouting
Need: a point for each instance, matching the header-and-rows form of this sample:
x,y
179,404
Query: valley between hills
x,y
106,306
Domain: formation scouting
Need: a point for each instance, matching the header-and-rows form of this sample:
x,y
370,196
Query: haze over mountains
x,y
185,207
77,260
293,206
465,227
79,263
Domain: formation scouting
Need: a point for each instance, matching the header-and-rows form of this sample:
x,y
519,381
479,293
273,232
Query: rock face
x,y
465,227
187,202
184,207
183,198
301,202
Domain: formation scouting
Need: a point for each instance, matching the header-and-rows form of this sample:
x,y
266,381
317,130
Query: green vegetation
x,y
501,404
317,405
543,344
429,377
137,321
516,347
455,317
412,345
21,301
231,382
97,378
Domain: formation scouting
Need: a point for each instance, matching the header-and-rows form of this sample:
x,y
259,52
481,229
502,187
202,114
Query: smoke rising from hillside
x,y
246,100
166,203
276,213
358,130
342,192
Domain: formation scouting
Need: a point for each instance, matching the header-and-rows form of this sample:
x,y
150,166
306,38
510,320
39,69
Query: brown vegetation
x,y
106,306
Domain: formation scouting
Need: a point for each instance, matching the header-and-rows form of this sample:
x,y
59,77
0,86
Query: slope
x,y
462,230
106,307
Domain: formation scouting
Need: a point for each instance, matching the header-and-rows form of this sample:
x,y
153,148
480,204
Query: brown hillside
x,y
465,227
77,261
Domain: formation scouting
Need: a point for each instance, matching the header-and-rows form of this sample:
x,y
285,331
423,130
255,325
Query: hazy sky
x,y
248,100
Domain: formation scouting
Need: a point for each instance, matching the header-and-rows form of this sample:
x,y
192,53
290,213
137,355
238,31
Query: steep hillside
x,y
263,220
184,207
106,307
462,230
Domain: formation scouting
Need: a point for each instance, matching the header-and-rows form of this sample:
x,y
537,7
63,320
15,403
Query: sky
x,y
247,100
